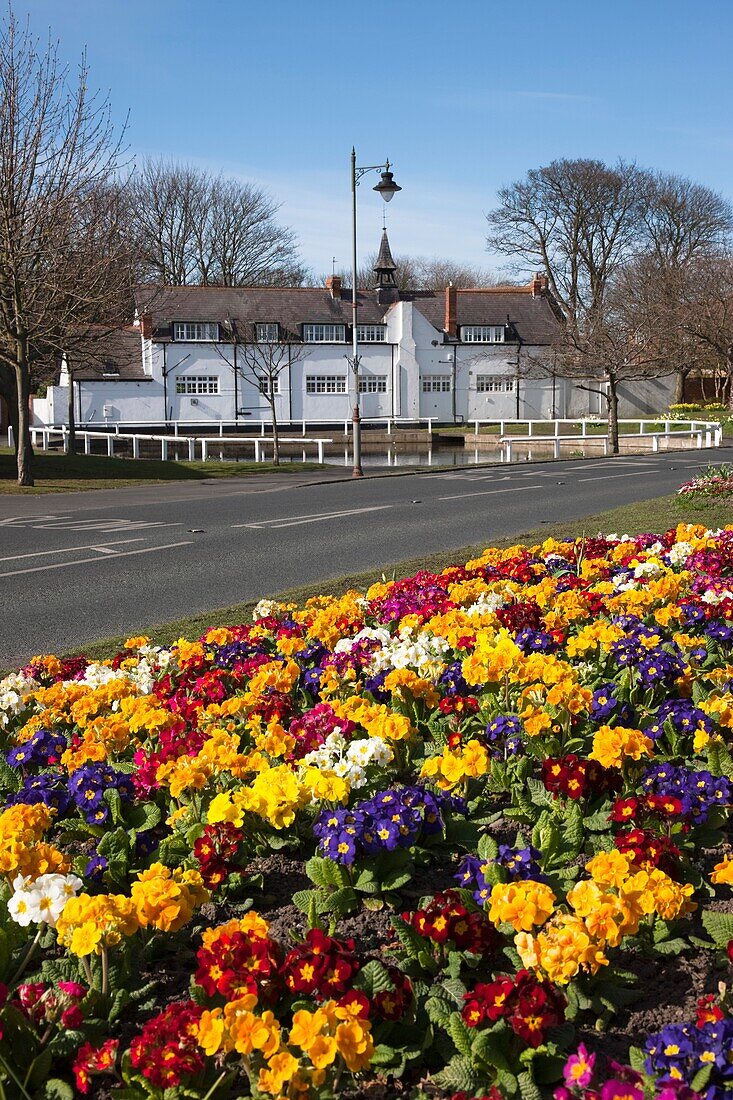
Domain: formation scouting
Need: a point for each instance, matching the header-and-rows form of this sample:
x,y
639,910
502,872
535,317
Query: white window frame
x,y
483,334
495,383
269,386
372,383
436,383
267,332
196,332
371,334
197,384
325,384
318,333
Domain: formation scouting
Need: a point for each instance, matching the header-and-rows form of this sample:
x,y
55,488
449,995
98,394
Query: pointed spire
x,y
385,266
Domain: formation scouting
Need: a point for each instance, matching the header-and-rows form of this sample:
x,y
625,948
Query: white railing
x,y
259,444
705,433
263,427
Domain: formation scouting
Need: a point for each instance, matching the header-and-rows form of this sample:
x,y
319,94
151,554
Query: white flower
x,y
42,901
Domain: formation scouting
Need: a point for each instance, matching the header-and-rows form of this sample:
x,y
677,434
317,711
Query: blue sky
x,y
462,96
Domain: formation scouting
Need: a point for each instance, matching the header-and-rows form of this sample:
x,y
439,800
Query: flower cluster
x,y
392,819
530,1007
446,920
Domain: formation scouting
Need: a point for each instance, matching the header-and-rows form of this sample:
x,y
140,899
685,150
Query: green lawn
x,y
60,473
658,514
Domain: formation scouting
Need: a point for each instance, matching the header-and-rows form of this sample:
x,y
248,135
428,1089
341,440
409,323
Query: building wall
x,y
414,351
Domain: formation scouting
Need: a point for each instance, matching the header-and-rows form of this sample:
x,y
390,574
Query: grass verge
x,y
61,473
658,514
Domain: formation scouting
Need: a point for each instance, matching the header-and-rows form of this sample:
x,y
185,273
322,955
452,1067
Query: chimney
x,y
539,285
333,283
451,310
146,326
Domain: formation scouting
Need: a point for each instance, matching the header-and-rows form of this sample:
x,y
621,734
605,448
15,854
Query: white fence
x,y
704,433
260,445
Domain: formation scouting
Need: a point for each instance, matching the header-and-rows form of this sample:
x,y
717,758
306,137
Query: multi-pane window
x,y
325,383
197,383
268,332
371,334
195,331
494,383
324,334
482,334
269,385
372,383
436,383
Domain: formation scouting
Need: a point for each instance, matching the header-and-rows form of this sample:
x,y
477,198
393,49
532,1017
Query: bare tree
x,y
616,343
579,221
261,363
211,230
63,256
706,312
421,273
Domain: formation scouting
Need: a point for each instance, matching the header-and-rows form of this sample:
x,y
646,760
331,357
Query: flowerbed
x,y
713,485
439,839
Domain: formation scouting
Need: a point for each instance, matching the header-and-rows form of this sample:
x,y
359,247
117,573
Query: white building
x,y
453,356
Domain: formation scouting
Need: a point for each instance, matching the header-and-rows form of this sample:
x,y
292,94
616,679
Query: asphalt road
x,y
78,567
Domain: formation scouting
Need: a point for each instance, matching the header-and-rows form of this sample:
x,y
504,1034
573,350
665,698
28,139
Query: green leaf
x,y
439,1011
458,1076
701,1078
56,1089
539,792
374,978
597,822
115,846
528,1089
340,902
670,947
412,941
460,1033
573,831
143,816
487,847
637,1058
719,926
490,1047
304,898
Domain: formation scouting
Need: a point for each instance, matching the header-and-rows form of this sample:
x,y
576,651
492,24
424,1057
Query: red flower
x,y
166,1051
92,1060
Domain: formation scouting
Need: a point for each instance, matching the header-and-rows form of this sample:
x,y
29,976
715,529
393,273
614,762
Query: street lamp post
x,y
386,188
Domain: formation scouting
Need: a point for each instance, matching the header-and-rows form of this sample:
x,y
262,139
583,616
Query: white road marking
x,y
315,517
611,477
69,523
67,550
83,561
104,550
491,492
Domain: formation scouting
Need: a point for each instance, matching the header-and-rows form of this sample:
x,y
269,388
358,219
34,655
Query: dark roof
x,y
532,317
291,307
112,356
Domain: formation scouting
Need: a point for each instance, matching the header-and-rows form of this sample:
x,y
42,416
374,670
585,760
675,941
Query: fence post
x,y
163,448
508,445
110,445
529,428
191,446
557,446
320,451
257,450
136,446
204,449
655,442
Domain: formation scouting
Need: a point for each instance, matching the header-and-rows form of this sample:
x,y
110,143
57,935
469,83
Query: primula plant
x,y
434,840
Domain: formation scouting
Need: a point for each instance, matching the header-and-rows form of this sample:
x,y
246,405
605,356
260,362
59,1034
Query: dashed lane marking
x,y
315,517
69,523
69,550
492,492
84,561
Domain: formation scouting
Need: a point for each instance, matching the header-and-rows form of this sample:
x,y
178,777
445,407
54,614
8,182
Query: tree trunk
x,y
612,401
72,414
24,450
275,436
679,386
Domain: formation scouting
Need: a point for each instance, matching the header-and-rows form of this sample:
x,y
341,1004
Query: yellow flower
x,y
612,745
723,872
522,904
355,1044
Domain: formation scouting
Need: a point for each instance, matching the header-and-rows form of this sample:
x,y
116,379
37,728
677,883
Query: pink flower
x,y
578,1070
621,1090
73,989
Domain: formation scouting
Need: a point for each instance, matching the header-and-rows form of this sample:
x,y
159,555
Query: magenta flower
x,y
578,1070
621,1090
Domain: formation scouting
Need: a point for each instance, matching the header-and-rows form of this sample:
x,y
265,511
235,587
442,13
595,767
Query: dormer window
x,y
267,332
196,332
324,334
483,334
371,334
110,369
